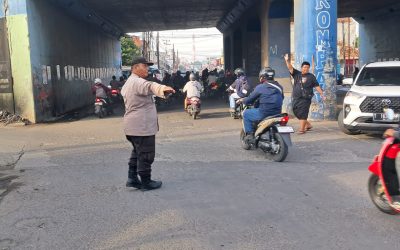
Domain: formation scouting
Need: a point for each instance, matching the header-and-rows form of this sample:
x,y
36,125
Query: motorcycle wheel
x,y
243,143
378,196
98,111
283,149
194,115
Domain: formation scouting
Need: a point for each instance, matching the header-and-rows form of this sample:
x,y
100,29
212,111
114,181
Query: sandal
x,y
301,132
309,128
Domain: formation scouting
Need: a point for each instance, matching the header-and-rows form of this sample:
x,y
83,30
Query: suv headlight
x,y
352,97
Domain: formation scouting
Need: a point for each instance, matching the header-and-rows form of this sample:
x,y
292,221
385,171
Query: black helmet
x,y
267,73
239,72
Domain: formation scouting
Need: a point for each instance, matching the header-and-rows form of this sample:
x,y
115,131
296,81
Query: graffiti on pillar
x,y
325,63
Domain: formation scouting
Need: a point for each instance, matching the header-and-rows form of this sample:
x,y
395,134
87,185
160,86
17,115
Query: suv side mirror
x,y
348,81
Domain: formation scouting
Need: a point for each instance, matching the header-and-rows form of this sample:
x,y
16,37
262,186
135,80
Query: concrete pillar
x,y
264,20
237,48
377,43
275,38
227,51
316,40
232,40
15,16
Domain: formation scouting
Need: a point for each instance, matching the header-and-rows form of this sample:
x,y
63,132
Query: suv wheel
x,y
342,127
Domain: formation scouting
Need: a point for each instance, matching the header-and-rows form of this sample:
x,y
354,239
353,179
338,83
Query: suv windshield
x,y
379,76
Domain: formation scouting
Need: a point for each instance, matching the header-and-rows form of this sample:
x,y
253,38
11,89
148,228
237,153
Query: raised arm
x,y
288,64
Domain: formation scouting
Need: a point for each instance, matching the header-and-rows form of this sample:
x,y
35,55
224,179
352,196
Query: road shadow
x,y
214,115
7,185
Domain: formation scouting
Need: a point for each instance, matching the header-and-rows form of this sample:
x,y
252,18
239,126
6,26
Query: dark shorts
x,y
301,107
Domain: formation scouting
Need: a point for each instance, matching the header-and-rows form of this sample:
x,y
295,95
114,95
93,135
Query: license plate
x,y
381,117
99,103
285,129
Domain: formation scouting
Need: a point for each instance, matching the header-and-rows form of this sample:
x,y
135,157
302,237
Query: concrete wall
x,y
279,45
66,55
18,38
6,90
379,38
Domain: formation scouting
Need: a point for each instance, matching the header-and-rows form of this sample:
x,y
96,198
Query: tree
x,y
129,50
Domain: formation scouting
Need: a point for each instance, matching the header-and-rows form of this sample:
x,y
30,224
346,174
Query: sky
x,y
208,42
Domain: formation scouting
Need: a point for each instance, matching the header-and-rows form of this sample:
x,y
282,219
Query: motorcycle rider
x,y
269,94
114,83
193,88
240,88
101,91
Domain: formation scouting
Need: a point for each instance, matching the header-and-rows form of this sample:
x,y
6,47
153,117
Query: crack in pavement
x,y
6,180
12,165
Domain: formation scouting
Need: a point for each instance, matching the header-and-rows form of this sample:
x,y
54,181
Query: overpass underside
x,y
50,51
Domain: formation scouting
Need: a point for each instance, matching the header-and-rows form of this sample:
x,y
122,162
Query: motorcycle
x,y
193,106
116,96
383,182
102,107
238,114
272,136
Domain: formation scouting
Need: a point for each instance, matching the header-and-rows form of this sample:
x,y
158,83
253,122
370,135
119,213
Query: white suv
x,y
377,86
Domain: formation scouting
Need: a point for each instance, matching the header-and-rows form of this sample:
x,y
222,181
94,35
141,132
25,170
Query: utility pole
x,y
343,48
348,39
173,57
144,44
194,51
177,59
158,50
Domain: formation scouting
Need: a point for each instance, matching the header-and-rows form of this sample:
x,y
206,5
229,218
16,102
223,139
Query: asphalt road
x,y
62,186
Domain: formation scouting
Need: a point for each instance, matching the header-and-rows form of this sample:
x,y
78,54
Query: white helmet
x,y
97,80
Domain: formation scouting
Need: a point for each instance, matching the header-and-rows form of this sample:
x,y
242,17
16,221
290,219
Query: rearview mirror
x,y
347,81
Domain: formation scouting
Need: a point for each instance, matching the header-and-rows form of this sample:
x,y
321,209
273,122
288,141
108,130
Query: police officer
x,y
141,124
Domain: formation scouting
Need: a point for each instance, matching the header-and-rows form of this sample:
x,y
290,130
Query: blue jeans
x,y
249,117
232,100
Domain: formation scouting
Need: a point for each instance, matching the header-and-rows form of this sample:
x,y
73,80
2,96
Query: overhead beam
x,y
80,10
234,15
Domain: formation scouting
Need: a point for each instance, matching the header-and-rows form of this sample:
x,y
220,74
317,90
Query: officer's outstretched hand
x,y
168,91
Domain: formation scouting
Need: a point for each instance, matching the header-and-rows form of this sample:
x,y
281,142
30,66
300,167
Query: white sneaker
x,y
395,202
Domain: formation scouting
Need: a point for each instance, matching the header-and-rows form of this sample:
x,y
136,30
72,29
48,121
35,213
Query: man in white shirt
x,y
192,89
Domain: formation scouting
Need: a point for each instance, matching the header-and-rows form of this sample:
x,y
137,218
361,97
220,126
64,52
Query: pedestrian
x,y
304,83
141,123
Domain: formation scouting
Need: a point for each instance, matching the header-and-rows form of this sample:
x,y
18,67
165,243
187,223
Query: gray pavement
x,y
62,187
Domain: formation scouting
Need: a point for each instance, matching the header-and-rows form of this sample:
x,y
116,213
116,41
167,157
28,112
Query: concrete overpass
x,y
50,51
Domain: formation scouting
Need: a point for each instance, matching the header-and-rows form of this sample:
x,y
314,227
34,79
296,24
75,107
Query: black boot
x,y
133,181
149,184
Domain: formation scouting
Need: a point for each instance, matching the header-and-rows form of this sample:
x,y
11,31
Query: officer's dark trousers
x,y
142,156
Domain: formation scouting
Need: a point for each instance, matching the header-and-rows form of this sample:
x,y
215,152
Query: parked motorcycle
x,y
102,107
193,106
272,136
384,182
